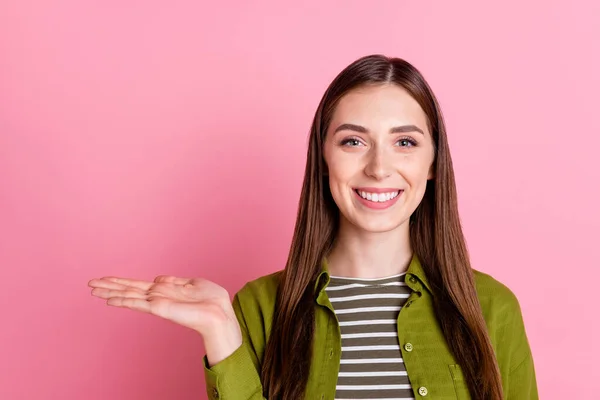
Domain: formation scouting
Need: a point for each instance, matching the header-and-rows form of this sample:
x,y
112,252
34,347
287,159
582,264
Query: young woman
x,y
378,299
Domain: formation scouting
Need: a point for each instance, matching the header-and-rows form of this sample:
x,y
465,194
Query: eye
x,y
350,142
407,142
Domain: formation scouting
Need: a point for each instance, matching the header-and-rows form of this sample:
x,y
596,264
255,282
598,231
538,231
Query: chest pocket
x,y
460,384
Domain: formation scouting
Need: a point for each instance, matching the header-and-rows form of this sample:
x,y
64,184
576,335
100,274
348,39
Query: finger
x,y
108,293
155,305
131,303
142,285
104,284
171,279
167,289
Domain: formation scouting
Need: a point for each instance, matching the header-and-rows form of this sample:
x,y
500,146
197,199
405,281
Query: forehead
x,y
379,106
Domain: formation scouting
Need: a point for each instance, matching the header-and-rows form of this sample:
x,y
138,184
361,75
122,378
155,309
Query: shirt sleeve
x,y
522,383
237,376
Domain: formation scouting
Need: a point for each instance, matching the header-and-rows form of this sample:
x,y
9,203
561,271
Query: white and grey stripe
x,y
371,365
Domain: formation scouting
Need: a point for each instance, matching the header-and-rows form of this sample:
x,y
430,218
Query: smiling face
x,y
379,155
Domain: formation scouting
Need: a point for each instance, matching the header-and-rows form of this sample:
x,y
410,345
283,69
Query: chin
x,y
382,227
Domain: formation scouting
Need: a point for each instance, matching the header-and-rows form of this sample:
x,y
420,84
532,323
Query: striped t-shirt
x,y
371,365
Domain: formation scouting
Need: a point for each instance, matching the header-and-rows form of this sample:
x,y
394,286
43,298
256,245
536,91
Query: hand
x,y
198,304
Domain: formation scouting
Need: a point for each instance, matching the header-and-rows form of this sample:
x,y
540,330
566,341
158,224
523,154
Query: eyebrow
x,y
362,129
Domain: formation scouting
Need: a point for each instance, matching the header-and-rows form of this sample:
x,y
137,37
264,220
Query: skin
x,y
370,243
375,243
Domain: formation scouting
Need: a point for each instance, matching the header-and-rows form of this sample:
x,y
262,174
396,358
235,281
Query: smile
x,y
379,200
377,197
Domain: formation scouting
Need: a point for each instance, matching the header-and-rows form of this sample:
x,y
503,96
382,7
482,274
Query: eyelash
x,y
406,138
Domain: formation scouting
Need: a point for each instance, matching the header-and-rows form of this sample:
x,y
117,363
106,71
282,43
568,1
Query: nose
x,y
379,164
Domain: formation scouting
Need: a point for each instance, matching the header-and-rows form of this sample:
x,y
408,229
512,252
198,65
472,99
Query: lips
x,y
380,199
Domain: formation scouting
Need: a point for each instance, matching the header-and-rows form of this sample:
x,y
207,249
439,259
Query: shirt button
x,y
423,391
412,279
215,393
408,347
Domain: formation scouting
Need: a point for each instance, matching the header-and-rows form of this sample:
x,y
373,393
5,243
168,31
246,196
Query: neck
x,y
357,253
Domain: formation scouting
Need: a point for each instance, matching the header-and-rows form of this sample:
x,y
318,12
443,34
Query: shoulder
x,y
499,304
260,289
494,295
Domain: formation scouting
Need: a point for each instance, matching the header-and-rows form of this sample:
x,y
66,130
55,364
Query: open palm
x,y
196,303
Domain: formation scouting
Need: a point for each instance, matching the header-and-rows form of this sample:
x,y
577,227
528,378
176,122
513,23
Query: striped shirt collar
x,y
415,276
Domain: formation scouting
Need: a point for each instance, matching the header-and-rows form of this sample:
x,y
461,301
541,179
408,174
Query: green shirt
x,y
432,369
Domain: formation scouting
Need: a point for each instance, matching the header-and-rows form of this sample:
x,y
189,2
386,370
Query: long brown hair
x,y
435,233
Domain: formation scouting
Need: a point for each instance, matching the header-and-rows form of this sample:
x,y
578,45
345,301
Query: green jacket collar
x,y
415,276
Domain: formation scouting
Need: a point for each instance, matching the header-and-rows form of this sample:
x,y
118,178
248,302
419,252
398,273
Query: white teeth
x,y
378,197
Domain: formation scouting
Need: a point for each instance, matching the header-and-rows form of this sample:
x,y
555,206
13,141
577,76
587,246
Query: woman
x,y
378,298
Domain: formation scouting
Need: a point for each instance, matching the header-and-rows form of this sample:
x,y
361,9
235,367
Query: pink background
x,y
144,137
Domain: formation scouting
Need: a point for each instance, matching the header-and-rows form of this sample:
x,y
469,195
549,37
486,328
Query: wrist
x,y
222,341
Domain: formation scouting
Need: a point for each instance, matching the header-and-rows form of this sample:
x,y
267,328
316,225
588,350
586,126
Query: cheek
x,y
341,171
413,173
337,187
339,184
336,193
416,170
